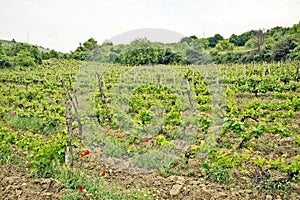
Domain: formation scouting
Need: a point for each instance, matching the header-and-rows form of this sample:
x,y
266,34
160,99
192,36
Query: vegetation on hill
x,y
23,54
275,44
207,131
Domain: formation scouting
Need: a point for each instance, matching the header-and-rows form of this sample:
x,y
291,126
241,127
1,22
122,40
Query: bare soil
x,y
15,184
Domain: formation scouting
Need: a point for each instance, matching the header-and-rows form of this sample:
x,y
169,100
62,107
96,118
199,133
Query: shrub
x,y
25,59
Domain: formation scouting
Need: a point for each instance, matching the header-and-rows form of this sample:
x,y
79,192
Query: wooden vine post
x,y
69,120
103,97
296,76
297,72
189,91
75,108
75,97
103,80
158,84
8,94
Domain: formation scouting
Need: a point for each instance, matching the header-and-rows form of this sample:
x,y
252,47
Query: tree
x,y
259,39
25,59
107,43
256,45
196,54
145,56
50,54
277,32
214,40
194,37
224,45
4,61
34,51
84,50
295,29
139,43
90,44
203,42
187,40
285,46
240,40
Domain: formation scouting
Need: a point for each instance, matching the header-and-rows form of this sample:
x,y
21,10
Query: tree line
x,y
275,44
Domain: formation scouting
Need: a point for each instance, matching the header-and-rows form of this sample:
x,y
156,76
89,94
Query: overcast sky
x,y
63,24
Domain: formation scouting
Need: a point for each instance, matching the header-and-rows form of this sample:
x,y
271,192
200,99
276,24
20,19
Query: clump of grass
x,y
95,187
154,159
114,150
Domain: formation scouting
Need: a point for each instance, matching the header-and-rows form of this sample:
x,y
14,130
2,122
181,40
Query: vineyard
x,y
108,131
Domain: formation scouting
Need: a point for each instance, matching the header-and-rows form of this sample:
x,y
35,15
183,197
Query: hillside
x,y
150,132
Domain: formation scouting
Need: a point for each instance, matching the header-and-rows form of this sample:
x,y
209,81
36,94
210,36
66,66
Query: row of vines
x,y
159,119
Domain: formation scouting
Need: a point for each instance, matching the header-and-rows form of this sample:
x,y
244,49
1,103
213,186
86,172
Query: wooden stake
x,y
297,72
69,120
158,84
103,97
75,108
189,91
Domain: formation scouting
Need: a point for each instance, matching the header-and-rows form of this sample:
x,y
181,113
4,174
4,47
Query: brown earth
x,y
183,187
18,184
15,184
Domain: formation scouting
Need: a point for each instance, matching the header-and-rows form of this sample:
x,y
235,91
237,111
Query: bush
x,y
284,47
146,56
25,59
4,61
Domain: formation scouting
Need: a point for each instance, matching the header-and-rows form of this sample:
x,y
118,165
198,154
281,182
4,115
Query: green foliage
x,y
5,152
145,56
90,44
240,40
46,156
162,141
26,123
4,60
86,50
51,54
196,54
220,166
203,42
47,126
187,40
154,159
254,45
140,43
43,155
114,150
25,54
25,59
223,45
95,186
277,32
213,41
145,99
260,102
295,29
285,46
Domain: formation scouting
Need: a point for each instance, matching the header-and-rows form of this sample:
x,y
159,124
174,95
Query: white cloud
x,y
62,24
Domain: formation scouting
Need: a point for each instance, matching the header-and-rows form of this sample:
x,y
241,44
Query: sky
x,y
63,24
